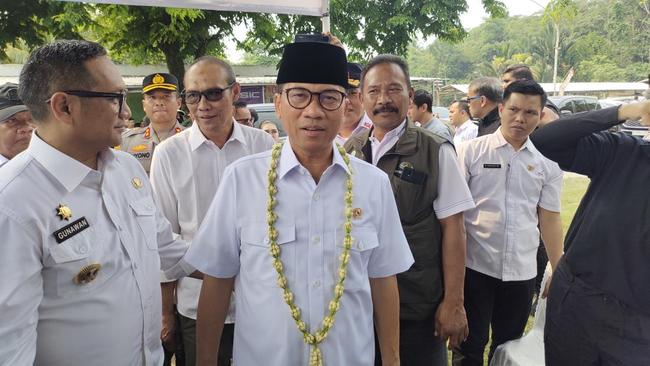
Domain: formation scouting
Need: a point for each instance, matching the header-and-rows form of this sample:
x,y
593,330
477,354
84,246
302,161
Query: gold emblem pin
x,y
356,213
405,165
158,79
136,182
530,168
87,274
64,212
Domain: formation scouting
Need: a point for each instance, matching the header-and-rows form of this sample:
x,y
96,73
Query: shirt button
x,y
316,197
360,245
135,265
316,239
316,284
82,249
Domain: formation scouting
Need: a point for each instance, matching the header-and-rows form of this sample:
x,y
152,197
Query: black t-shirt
x,y
608,242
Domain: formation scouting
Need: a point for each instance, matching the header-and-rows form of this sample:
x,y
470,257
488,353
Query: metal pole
x,y
325,18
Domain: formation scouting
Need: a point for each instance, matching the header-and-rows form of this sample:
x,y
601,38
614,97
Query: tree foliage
x,y
608,40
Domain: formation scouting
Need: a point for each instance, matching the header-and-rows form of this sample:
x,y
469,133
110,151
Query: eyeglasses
x,y
300,98
119,97
469,99
212,94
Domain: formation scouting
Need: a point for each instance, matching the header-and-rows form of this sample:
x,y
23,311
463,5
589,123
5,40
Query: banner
x,y
298,7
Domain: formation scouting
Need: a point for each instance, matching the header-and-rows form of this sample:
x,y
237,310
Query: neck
x,y
71,148
220,134
461,123
315,161
346,130
427,117
516,144
378,132
163,126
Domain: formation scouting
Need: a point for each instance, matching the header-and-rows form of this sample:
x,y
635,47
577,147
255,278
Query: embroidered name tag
x,y
492,166
71,230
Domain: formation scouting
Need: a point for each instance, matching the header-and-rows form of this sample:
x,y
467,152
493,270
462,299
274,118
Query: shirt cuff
x,y
178,270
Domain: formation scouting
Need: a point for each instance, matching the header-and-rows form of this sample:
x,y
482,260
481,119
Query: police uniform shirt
x,y
60,219
233,242
141,142
186,172
507,186
364,124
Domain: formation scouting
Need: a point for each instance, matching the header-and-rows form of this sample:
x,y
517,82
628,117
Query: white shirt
x,y
508,186
186,171
466,131
364,124
3,160
453,195
45,317
233,241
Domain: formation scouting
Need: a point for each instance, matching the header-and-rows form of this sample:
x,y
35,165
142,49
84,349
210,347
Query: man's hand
x,y
168,332
547,286
451,323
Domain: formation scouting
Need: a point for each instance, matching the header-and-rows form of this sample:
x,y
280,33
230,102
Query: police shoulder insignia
x,y
64,212
147,133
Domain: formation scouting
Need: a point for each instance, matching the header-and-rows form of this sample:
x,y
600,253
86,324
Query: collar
x,y
490,117
465,125
68,171
197,138
395,132
497,140
3,160
289,161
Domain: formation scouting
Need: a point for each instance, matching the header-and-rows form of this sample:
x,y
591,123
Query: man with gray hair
x,y
483,96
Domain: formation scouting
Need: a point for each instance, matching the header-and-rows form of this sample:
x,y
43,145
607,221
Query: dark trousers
x,y
586,327
188,327
418,346
504,306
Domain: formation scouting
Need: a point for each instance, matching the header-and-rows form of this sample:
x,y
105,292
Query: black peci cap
x,y
313,63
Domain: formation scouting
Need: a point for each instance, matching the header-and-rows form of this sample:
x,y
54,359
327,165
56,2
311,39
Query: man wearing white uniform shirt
x,y
515,189
83,241
188,168
465,128
300,242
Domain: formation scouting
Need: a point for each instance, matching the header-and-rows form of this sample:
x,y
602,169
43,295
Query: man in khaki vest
x,y
161,102
431,196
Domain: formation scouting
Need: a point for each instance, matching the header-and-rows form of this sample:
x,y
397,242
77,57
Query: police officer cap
x,y
159,81
354,75
313,63
10,104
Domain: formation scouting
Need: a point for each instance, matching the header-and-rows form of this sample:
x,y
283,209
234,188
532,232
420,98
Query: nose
x,y
203,104
126,112
382,97
313,109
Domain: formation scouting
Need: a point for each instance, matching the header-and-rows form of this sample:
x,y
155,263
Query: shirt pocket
x,y
145,215
68,259
364,241
256,261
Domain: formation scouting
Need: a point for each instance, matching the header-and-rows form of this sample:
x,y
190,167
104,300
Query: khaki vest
x,y
421,287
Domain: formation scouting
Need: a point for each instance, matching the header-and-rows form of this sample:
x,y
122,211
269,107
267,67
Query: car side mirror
x,y
564,113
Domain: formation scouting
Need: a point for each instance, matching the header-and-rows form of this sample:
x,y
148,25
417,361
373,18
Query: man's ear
x,y
236,90
501,106
62,106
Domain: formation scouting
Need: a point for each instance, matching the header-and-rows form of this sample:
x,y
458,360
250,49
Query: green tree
x,y
557,12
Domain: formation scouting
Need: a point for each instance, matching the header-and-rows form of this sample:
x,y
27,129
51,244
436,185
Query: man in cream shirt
x,y
188,168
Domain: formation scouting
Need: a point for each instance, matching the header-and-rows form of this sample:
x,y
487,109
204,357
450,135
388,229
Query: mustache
x,y
385,108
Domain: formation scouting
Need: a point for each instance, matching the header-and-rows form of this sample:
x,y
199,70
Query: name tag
x,y
492,166
71,230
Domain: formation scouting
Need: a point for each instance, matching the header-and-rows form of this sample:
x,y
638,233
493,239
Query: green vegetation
x,y
606,40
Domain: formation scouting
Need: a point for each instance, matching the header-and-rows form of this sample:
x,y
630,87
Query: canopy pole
x,y
325,18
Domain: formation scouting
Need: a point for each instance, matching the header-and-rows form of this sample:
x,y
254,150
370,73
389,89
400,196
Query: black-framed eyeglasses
x,y
120,97
212,94
469,99
300,98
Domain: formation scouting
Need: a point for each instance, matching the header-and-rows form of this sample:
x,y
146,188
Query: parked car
x,y
570,104
265,112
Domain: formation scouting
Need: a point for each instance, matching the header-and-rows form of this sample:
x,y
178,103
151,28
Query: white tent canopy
x,y
300,7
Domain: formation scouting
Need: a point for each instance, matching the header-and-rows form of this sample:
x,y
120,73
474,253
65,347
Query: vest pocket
x,y
145,215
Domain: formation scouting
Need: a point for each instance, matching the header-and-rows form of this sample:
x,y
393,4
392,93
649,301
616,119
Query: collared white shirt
x,y
439,128
508,186
453,195
186,171
3,160
466,131
233,241
364,124
45,317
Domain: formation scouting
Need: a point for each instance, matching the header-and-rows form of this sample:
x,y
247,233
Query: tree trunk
x,y
555,60
175,63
